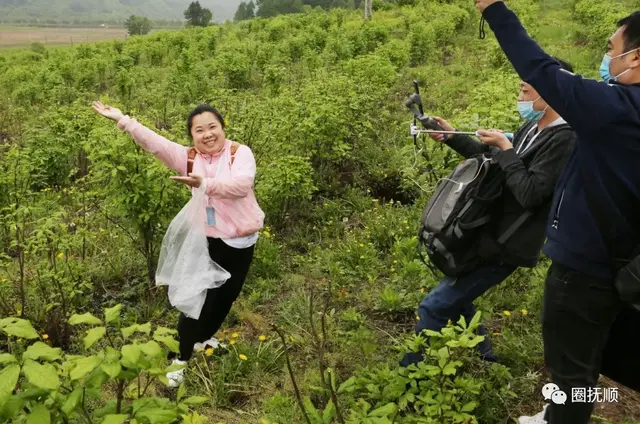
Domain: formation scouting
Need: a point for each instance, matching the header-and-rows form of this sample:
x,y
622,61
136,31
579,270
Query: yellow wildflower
x,y
242,357
524,312
506,313
45,336
417,318
235,335
232,342
60,255
262,338
209,351
422,290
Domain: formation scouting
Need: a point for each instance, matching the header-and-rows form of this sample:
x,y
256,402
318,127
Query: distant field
x,y
23,36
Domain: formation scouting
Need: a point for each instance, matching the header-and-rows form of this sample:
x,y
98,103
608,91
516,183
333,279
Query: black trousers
x,y
219,300
578,312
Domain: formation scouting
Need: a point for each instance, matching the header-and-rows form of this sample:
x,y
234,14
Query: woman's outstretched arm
x,y
173,155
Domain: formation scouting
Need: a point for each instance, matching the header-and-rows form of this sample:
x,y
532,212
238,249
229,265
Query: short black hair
x,y
631,34
200,109
564,64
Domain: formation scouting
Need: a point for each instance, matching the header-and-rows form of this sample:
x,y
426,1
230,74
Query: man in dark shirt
x,y
531,166
580,300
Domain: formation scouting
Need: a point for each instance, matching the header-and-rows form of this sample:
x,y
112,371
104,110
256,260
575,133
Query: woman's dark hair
x,y
200,109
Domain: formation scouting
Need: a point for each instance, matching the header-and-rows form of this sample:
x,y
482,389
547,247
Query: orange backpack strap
x,y
191,157
234,149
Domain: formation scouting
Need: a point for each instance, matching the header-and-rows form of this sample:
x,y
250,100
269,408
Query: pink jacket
x,y
230,193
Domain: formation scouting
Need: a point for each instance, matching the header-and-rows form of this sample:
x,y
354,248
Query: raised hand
x,y
107,111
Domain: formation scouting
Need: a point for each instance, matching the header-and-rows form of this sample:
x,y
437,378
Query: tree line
x,y
195,15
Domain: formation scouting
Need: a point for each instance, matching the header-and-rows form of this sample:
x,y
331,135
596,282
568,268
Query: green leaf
x,y
195,400
115,419
157,416
17,327
136,328
94,335
40,350
130,355
112,314
8,379
151,348
384,411
72,401
164,331
182,390
329,413
7,358
111,368
86,318
39,415
43,376
84,366
169,342
194,418
468,407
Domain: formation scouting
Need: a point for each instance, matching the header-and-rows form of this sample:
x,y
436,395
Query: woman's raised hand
x,y
445,125
108,111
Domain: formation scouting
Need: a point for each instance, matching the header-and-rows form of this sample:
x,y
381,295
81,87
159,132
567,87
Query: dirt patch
x,y
24,36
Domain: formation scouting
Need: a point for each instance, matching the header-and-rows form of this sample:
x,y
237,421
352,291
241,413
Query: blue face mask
x,y
527,112
605,66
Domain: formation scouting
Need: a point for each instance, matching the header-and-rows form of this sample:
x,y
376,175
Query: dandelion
x,y
60,255
242,357
267,234
209,351
232,342
235,335
524,312
506,313
417,318
262,338
45,336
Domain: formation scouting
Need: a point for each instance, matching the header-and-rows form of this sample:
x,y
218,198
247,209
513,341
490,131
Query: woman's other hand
x,y
192,180
108,111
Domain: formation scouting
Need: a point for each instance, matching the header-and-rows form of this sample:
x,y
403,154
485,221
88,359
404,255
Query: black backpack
x,y
459,210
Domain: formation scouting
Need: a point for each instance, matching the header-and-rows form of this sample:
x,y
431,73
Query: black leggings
x,y
219,300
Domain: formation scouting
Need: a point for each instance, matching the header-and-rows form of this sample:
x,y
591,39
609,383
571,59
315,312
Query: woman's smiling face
x,y
207,132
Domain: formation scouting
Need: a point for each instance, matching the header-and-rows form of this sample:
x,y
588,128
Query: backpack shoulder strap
x,y
234,148
191,156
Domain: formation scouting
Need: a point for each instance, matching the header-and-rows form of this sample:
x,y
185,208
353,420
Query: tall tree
x,y
245,11
138,25
368,4
197,15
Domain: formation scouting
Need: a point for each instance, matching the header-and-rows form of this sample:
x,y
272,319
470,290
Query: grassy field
x,y
17,37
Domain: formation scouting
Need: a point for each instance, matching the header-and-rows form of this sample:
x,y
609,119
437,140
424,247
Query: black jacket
x,y
530,180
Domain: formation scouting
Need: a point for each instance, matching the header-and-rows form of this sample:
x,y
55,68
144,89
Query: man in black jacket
x,y
594,217
532,166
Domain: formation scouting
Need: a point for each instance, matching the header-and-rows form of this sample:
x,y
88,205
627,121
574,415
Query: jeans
x,y
577,314
454,297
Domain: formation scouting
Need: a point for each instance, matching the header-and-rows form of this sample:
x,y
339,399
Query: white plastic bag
x,y
184,264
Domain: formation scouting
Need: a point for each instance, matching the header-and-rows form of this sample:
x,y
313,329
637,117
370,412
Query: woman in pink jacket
x,y
233,215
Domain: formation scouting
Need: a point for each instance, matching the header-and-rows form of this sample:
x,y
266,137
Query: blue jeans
x,y
454,297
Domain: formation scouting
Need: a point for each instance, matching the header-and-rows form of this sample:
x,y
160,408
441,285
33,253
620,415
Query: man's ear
x,y
635,58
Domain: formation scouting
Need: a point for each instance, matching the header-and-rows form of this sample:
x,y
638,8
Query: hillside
x,y
330,300
108,10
